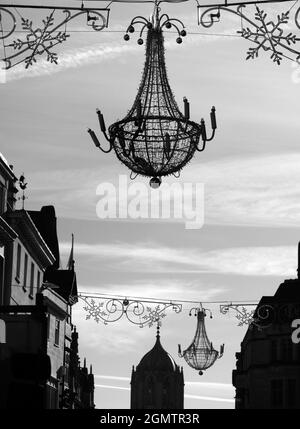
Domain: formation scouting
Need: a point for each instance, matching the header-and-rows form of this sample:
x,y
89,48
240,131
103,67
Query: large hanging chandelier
x,y
155,138
200,355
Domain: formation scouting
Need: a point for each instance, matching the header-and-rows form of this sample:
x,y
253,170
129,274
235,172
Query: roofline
x,y
9,233
37,241
8,171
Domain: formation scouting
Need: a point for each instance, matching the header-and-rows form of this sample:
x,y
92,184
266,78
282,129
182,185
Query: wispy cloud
x,y
107,50
257,191
149,257
71,59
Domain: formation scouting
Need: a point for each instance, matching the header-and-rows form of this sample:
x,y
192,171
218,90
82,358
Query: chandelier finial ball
x,y
126,37
149,25
168,25
131,29
200,372
140,41
183,33
155,182
179,40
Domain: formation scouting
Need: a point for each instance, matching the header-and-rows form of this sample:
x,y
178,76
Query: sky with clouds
x,y
250,176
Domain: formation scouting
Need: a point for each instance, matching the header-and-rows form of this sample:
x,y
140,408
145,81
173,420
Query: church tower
x,y
157,382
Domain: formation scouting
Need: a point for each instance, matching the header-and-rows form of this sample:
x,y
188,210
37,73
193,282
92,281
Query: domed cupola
x,y
157,382
157,359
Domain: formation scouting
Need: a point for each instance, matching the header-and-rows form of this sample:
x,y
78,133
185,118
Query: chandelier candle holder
x,y
200,355
155,138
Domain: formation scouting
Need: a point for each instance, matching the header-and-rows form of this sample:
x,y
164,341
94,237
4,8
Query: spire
x,y
71,261
157,332
91,369
84,363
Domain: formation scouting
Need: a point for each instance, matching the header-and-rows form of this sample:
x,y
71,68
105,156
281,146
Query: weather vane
x,y
23,186
155,138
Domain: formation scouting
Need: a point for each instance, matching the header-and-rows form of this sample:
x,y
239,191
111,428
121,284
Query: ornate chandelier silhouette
x,y
155,139
200,355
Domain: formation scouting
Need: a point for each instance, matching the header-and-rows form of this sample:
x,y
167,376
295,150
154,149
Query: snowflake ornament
x,y
39,41
269,36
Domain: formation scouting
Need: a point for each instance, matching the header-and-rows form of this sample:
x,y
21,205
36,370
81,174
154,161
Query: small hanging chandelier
x,y
155,139
200,355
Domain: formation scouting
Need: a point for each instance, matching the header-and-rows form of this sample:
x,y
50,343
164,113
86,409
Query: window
x,y
18,263
48,326
290,393
25,271
38,280
2,198
277,393
31,279
56,334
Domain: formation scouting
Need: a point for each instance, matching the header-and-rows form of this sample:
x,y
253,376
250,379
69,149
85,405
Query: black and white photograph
x,y
149,208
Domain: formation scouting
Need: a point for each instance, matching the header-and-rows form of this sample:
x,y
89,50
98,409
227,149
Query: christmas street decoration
x,y
267,35
40,41
141,313
155,138
200,355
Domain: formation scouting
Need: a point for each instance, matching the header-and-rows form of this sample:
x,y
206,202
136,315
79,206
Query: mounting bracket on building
x,y
262,316
39,41
139,312
267,35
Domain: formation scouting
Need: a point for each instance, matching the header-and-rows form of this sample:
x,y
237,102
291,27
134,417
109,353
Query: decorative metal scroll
x,y
267,35
141,313
262,316
40,41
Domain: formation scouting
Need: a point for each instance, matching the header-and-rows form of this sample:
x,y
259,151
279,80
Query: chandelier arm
x,y
174,25
135,21
164,15
97,143
142,30
212,136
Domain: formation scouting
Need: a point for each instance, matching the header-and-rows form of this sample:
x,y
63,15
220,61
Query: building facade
x,y
157,382
39,361
267,374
